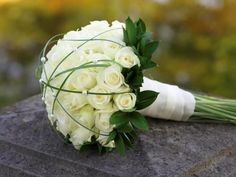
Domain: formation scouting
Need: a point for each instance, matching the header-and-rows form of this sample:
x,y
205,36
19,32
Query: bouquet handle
x,y
172,103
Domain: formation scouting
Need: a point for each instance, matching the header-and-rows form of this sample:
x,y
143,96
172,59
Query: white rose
x,y
96,57
72,101
118,31
97,26
125,101
117,24
63,125
103,139
111,48
84,55
123,88
72,38
89,56
126,57
56,81
102,120
62,51
80,40
99,101
54,56
111,78
48,100
73,35
59,51
91,47
84,116
80,136
64,122
82,80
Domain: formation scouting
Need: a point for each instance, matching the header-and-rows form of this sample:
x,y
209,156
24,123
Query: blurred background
x,y
197,39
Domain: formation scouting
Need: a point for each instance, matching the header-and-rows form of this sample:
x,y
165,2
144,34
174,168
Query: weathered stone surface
x,y
30,148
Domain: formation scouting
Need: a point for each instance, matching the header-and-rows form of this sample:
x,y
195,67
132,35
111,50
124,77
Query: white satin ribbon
x,y
172,102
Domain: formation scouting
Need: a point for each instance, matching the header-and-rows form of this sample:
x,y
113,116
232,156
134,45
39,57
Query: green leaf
x,y
131,31
120,145
146,38
127,140
149,64
146,63
119,118
85,147
141,28
145,98
137,81
133,77
125,71
125,128
89,145
111,137
138,120
150,48
132,136
143,61
67,139
107,149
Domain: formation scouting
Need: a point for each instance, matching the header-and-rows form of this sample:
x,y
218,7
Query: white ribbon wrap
x,y
172,102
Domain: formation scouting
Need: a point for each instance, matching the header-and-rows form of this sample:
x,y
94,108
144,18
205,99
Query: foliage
x,y
135,36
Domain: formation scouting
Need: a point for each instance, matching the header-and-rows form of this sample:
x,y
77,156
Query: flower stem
x,y
213,109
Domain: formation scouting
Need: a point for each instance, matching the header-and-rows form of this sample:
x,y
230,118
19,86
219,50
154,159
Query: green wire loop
x,y
71,71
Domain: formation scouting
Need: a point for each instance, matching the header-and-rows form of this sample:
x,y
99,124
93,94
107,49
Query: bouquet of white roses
x,y
95,92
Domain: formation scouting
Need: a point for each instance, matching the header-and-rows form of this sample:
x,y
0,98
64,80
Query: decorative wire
x,y
71,71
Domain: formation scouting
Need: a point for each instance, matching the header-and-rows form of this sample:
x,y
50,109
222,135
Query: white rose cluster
x,y
83,70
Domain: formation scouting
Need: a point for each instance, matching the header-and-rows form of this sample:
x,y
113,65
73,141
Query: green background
x,y
197,39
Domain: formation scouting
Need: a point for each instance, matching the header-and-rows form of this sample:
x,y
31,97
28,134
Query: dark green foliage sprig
x,y
145,98
126,122
136,36
124,134
133,77
94,144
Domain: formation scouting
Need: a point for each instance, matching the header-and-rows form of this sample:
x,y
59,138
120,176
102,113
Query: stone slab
x,y
29,147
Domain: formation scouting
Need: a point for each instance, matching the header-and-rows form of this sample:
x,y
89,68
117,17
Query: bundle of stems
x,y
213,109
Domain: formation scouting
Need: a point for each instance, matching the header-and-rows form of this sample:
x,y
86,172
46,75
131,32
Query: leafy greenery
x,y
94,145
118,118
124,132
133,76
111,137
67,139
121,119
145,98
120,145
138,120
122,139
126,128
135,35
